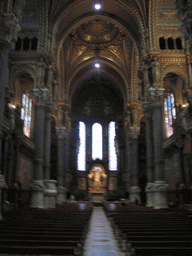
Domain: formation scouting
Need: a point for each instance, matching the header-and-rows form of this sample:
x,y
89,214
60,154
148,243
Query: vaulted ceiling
x,y
114,36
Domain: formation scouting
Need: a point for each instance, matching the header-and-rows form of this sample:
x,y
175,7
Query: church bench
x,y
154,233
16,249
38,242
65,237
156,243
40,232
163,251
158,238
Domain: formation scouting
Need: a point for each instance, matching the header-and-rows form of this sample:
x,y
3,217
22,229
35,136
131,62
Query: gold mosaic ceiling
x,y
98,34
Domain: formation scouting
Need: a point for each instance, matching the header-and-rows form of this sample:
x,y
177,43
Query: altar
x,y
97,181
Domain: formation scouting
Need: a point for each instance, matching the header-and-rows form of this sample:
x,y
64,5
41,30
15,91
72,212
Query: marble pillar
x,y
128,161
41,96
50,197
150,156
160,186
61,190
135,189
9,27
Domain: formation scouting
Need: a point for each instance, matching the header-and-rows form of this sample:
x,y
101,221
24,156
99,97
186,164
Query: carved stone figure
x,y
18,8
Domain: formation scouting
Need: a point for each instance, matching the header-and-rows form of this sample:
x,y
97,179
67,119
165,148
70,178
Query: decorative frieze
x,y
38,186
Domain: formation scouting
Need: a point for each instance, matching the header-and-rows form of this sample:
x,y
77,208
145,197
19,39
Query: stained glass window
x,y
82,147
170,113
112,151
97,142
26,111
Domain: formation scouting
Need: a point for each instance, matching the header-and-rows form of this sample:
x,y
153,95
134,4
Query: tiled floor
x,y
100,240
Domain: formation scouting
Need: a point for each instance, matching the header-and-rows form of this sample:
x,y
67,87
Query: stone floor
x,y
100,239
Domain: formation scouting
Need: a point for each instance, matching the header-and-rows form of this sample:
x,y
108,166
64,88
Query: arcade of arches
x,y
50,84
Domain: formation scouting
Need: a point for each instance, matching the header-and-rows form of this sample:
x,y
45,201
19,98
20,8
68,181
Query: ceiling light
x,y
97,6
97,65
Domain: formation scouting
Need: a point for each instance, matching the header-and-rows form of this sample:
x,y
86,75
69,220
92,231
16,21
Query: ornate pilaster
x,y
60,144
134,190
41,96
50,185
48,114
66,146
150,156
160,187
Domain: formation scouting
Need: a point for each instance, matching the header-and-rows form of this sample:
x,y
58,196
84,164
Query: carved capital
x,y
41,96
156,95
61,132
134,132
9,27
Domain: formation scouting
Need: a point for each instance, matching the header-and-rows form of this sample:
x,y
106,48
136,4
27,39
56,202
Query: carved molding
x,y
149,188
160,186
38,186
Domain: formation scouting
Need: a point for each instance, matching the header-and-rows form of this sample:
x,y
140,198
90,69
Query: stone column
x,y
128,161
66,160
61,191
160,186
37,186
150,155
50,185
9,28
88,145
105,143
135,190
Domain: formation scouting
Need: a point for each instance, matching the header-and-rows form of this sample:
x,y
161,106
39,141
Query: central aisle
x,y
100,239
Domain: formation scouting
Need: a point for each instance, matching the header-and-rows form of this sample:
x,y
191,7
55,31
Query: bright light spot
x,y
97,65
97,6
184,105
82,206
13,106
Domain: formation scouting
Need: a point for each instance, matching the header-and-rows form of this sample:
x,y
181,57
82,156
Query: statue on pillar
x,y
18,8
155,71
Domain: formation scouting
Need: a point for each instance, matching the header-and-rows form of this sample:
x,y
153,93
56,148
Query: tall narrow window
x,y
97,142
26,111
170,113
112,151
82,147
